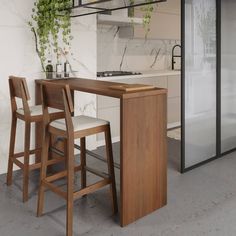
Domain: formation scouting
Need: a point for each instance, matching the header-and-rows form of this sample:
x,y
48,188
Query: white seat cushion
x,y
37,110
79,123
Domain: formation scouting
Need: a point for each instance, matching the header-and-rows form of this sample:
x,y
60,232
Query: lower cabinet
x,y
174,101
173,112
109,108
111,114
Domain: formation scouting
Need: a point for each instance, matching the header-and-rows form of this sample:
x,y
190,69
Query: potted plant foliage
x,y
51,26
147,14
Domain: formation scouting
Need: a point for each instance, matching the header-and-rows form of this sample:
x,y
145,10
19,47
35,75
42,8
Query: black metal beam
x,y
182,166
81,4
98,9
218,77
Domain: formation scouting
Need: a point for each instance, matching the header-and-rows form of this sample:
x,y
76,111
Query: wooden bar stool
x,y
59,97
28,114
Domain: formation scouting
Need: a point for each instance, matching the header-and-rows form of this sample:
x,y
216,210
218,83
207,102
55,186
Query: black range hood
x,y
89,7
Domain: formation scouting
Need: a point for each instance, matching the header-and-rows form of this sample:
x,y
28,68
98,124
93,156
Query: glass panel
x,y
228,75
200,81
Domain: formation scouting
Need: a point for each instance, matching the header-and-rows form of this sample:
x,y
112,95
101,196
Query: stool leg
x,y
83,161
70,187
49,157
26,162
111,168
43,172
11,150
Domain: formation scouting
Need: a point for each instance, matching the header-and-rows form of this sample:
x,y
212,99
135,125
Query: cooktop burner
x,y
116,73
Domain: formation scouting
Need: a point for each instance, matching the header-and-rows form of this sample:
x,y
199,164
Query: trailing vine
x,y
147,14
51,27
148,9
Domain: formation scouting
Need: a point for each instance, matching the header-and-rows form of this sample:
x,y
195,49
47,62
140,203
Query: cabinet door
x,y
174,110
174,86
112,114
109,108
107,102
174,102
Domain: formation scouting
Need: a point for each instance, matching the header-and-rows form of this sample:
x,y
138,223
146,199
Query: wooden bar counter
x,y
143,144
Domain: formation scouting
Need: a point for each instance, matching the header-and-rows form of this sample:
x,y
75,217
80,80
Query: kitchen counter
x,y
143,166
145,74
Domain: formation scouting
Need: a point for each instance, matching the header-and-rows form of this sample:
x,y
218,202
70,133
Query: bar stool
x,y
70,128
28,114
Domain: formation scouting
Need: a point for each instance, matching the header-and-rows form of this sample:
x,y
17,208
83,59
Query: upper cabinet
x,y
165,22
118,20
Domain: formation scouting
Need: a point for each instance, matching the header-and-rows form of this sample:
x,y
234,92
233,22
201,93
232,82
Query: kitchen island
x,y
143,147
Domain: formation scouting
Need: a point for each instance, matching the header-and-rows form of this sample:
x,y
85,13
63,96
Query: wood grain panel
x,y
101,87
143,160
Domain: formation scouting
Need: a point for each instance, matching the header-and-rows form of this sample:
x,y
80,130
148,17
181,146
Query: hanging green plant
x,y
147,14
148,9
51,26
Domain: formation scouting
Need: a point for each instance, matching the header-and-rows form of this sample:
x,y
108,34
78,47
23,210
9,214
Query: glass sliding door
x,y
199,82
228,75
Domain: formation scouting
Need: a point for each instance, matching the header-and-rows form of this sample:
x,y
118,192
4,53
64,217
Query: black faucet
x,y
174,56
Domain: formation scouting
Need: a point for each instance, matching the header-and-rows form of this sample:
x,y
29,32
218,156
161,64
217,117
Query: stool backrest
x,y
57,96
19,89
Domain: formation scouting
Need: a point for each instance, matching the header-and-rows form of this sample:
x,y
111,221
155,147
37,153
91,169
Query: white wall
x,y
18,57
153,53
84,61
140,53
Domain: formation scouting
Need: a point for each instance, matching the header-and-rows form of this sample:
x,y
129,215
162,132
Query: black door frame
x,y
218,90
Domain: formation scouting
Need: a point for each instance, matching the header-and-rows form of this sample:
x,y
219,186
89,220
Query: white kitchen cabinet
x,y
174,86
111,114
173,111
109,108
107,102
174,100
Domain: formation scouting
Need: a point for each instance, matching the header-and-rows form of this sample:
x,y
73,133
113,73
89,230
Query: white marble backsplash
x,y
115,53
18,57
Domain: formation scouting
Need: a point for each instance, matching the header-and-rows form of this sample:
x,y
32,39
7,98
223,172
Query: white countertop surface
x,y
145,74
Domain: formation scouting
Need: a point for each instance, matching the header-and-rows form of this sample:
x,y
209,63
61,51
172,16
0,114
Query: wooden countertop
x,y
103,88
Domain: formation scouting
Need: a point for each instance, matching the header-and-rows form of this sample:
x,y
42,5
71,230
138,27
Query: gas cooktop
x,y
116,73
